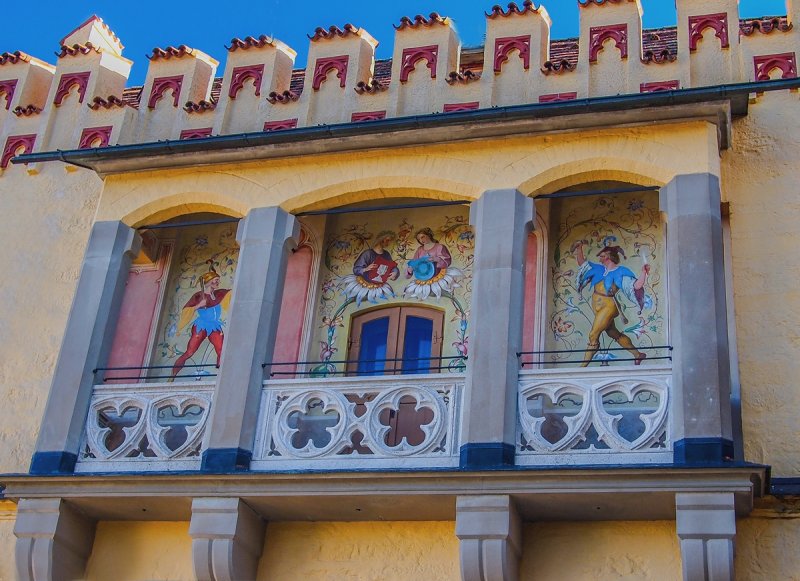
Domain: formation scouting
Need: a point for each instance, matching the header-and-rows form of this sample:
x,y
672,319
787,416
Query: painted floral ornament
x,y
443,281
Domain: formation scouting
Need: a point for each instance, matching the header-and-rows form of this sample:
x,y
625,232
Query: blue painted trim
x,y
44,463
703,451
784,486
486,456
226,460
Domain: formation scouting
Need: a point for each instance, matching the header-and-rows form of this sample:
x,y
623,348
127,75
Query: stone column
x,y
54,540
502,220
490,534
87,342
707,529
265,238
701,375
227,539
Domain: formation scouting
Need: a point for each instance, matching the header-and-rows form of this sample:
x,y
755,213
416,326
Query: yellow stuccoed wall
x,y
373,551
140,551
625,551
44,238
7,517
760,182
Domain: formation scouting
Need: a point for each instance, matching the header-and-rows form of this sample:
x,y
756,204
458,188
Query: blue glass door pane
x,y
418,345
374,335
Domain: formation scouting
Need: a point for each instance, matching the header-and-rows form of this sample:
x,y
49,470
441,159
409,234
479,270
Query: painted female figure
x,y
204,311
430,268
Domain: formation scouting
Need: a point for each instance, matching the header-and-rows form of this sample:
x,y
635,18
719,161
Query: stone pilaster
x,y
265,238
227,539
698,320
54,540
706,525
502,221
87,341
490,534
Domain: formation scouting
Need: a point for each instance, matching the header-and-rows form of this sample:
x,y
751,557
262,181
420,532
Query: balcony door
x,y
395,340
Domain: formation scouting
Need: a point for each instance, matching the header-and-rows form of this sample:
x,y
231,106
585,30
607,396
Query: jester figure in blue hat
x,y
607,279
430,268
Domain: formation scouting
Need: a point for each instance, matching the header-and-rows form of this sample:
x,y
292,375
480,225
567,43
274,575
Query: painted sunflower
x,y
443,281
358,288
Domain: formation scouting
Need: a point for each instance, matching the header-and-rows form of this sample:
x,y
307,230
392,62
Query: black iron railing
x,y
601,356
329,368
148,377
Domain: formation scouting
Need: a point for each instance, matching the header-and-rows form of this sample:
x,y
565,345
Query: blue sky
x,y
209,25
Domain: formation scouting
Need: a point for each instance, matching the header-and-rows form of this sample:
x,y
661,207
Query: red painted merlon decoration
x,y
12,58
765,26
250,42
241,74
420,20
196,133
699,24
76,49
659,86
325,66
69,80
163,84
503,47
558,97
28,111
658,57
558,67
599,34
370,88
321,33
283,97
587,3
456,107
202,106
280,125
7,89
411,56
16,145
368,116
467,76
513,10
171,52
108,103
765,64
93,137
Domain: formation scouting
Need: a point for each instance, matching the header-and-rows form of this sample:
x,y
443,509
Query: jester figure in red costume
x,y
204,311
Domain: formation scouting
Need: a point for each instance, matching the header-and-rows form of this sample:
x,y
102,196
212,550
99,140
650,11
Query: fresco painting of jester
x,y
191,333
607,296
421,256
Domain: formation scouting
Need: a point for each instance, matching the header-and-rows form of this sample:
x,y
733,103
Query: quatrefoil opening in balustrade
x,y
117,426
177,425
555,416
405,423
632,416
313,426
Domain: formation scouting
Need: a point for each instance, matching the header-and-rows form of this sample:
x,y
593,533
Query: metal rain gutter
x,y
737,94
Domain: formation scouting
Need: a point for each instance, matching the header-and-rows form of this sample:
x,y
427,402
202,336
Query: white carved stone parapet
x,y
146,427
613,415
706,526
227,539
490,533
392,421
54,540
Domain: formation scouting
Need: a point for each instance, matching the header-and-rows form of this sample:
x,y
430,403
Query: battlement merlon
x,y
82,101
